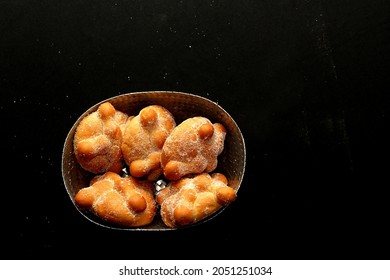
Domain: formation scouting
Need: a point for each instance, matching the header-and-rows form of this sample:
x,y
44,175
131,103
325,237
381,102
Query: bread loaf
x,y
123,201
98,139
143,139
192,199
192,148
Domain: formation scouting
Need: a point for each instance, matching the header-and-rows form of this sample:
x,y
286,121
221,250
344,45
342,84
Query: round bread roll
x,y
123,201
98,138
192,148
191,199
143,139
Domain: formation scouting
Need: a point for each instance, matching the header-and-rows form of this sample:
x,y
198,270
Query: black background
x,y
306,82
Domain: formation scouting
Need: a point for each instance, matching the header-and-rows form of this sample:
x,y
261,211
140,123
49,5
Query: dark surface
x,y
306,82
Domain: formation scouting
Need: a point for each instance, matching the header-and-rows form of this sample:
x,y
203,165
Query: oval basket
x,y
231,162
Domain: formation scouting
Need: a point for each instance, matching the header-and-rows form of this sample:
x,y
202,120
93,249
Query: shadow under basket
x,y
231,162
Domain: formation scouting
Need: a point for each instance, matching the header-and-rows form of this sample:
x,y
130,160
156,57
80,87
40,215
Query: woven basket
x,y
231,162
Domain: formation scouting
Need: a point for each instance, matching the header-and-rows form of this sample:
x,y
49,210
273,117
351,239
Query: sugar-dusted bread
x,y
191,199
98,138
144,137
123,201
192,148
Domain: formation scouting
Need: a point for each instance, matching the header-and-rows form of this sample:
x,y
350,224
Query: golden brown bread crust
x,y
98,138
143,139
191,199
123,201
192,148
